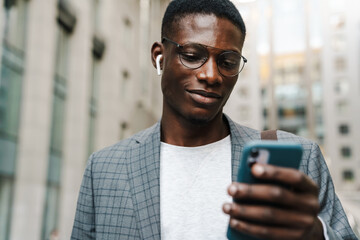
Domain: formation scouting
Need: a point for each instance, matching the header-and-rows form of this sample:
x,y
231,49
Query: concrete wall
x,y
33,148
125,105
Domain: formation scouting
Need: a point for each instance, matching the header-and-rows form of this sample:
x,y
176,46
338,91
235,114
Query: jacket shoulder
x,y
290,137
119,149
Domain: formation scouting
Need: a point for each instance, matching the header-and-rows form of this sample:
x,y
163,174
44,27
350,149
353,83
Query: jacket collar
x,y
144,173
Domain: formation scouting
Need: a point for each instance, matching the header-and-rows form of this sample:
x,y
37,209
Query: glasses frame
x,y
178,45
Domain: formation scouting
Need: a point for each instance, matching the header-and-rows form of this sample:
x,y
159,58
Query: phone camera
x,y
254,153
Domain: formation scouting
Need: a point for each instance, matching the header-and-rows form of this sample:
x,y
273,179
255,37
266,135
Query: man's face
x,y
199,94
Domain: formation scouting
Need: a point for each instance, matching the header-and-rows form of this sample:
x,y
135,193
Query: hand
x,y
290,214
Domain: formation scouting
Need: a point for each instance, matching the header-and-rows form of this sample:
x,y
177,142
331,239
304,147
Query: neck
x,y
182,132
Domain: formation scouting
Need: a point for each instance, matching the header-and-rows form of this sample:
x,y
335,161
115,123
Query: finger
x,y
268,215
288,176
266,232
276,195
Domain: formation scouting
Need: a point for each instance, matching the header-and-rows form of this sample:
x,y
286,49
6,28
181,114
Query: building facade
x,y
76,76
341,83
291,93
244,104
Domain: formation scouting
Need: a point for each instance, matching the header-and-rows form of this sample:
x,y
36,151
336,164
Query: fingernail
x,y
227,208
258,169
232,190
234,223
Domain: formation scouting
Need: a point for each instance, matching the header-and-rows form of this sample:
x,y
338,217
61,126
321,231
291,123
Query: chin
x,y
200,119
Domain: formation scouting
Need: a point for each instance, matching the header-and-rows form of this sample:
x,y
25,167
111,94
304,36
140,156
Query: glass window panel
x,y
340,64
59,93
93,104
124,91
339,43
342,86
344,129
61,54
342,106
6,188
91,141
14,25
348,175
54,169
51,211
96,14
7,157
50,216
346,152
95,80
57,123
10,97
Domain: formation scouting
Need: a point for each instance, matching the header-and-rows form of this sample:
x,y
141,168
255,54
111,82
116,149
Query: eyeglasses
x,y
195,55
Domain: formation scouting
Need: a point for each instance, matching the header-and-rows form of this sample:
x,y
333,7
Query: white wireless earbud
x,y
158,69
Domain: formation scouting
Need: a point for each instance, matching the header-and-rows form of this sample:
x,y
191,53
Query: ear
x,y
156,50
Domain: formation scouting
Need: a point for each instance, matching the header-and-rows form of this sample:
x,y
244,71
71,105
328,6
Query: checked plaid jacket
x,y
120,193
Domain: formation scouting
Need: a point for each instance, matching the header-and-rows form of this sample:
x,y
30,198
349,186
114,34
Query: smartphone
x,y
277,153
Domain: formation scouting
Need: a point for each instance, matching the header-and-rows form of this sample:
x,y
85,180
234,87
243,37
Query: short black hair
x,y
178,9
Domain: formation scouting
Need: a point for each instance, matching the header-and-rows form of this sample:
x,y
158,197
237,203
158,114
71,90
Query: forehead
x,y
208,30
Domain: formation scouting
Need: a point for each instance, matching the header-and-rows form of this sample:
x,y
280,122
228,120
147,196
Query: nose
x,y
209,72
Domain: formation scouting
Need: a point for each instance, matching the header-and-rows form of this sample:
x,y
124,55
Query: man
x,y
170,181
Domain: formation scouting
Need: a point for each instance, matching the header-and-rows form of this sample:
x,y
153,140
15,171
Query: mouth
x,y
205,93
204,97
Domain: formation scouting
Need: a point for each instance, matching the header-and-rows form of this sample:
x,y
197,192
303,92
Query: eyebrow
x,y
204,45
224,50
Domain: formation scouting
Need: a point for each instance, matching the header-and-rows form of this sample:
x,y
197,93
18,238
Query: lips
x,y
204,97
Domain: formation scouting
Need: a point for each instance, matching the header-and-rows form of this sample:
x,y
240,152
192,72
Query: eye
x,y
191,56
228,63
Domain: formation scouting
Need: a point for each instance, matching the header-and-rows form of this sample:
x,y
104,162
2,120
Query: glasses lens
x,y
193,55
229,63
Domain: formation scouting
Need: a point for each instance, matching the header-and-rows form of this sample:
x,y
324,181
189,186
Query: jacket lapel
x,y
144,179
240,135
144,174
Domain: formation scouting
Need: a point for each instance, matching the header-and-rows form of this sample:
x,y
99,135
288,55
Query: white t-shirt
x,y
193,184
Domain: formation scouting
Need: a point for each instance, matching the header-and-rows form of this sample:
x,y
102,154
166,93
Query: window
x,y
123,128
342,106
96,14
342,86
243,92
348,175
6,188
10,94
51,211
344,129
124,91
13,24
339,43
340,64
98,49
346,152
93,105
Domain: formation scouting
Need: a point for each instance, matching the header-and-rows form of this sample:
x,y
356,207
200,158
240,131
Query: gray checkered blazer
x,y
120,193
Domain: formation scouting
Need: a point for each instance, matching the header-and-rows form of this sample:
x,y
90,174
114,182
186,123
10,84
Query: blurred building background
x,y
76,76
